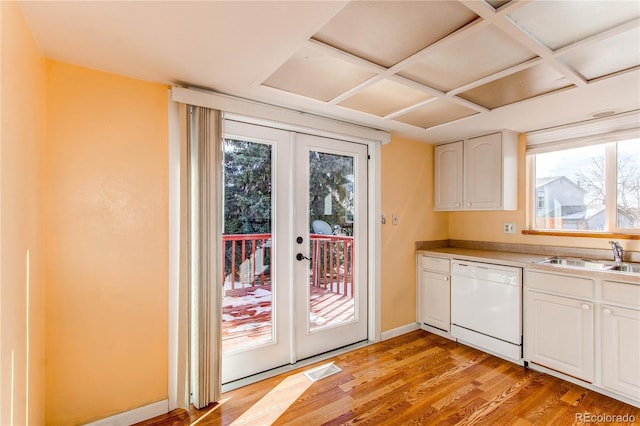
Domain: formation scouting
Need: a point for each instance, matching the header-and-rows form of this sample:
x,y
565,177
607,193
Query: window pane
x,y
331,215
570,189
628,179
247,318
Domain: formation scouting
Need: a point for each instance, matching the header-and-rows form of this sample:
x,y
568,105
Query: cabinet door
x,y
559,334
435,304
621,350
483,172
448,176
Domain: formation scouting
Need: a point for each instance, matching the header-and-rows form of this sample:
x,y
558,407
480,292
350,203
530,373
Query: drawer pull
x,y
585,307
607,311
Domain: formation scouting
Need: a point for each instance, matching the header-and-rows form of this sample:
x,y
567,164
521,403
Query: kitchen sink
x,y
626,267
601,265
577,263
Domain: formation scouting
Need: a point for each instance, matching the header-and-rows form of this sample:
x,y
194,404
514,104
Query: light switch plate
x,y
395,219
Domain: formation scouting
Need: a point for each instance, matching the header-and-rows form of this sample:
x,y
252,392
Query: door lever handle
x,y
301,256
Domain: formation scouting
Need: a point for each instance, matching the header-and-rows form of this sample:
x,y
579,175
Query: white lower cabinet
x,y
559,334
621,350
434,292
585,328
620,313
435,303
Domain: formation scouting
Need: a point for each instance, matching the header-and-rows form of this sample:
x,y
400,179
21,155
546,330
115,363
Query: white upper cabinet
x,y
477,173
448,176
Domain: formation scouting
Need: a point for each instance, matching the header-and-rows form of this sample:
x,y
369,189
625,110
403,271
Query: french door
x,y
295,247
330,287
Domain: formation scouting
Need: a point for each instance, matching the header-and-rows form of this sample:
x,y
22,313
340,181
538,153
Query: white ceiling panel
x,y
385,97
489,50
435,113
316,74
386,32
528,83
560,23
605,57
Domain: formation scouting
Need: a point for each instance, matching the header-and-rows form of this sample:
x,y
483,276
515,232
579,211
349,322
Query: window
x,y
540,200
586,187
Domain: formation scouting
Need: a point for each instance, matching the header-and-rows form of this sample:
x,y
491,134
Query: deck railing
x,y
332,263
247,261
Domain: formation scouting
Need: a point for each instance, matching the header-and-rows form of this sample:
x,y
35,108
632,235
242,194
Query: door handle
x,y
301,256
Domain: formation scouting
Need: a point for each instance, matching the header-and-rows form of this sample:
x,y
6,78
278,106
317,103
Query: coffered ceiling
x,y
428,70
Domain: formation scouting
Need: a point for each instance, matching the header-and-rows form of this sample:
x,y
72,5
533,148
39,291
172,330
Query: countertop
x,y
525,260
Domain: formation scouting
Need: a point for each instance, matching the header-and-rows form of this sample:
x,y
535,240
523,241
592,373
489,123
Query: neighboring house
x,y
560,204
595,218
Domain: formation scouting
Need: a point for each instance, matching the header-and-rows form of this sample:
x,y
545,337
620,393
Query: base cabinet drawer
x,y
559,334
435,264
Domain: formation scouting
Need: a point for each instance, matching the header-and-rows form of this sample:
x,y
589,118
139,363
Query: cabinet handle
x,y
468,204
607,311
457,204
446,278
585,307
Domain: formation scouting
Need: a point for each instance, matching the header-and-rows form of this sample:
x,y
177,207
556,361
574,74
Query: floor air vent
x,y
322,371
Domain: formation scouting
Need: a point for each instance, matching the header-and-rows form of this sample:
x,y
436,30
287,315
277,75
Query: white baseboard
x,y
134,416
385,335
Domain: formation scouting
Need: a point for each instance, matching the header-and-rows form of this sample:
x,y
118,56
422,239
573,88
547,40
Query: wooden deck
x,y
246,314
414,379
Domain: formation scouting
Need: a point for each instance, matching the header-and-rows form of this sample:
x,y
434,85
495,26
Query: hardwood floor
x,y
414,379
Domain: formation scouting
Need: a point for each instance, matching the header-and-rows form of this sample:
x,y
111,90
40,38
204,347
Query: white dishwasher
x,y
486,307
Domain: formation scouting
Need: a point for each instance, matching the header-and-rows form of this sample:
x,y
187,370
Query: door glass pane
x,y
628,179
570,189
247,303
331,220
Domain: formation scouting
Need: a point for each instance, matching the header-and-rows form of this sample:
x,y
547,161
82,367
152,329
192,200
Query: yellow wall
x,y
407,189
487,226
22,259
107,244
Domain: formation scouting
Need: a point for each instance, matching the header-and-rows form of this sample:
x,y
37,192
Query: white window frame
x,y
606,131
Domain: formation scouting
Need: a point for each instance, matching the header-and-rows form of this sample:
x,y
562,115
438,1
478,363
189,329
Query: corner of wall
x,y
22,98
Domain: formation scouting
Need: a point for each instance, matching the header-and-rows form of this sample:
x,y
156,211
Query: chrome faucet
x,y
618,252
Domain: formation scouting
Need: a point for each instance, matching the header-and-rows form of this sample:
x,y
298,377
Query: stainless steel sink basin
x,y
577,263
625,267
601,265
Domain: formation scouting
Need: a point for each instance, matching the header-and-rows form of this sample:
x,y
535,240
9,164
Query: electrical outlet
x,y
394,219
509,228
384,219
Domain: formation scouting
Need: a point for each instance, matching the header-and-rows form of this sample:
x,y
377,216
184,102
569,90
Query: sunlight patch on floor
x,y
275,403
216,407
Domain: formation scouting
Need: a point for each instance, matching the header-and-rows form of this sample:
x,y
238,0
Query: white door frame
x,y
302,123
